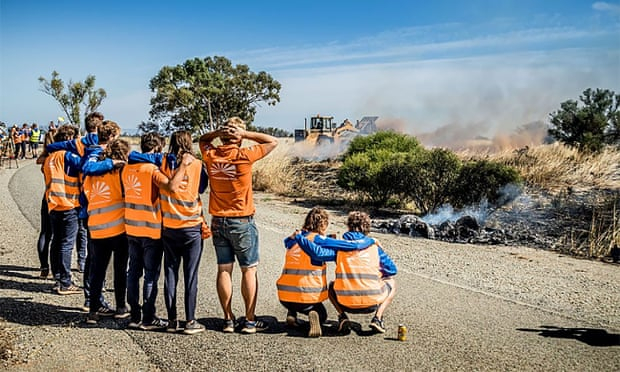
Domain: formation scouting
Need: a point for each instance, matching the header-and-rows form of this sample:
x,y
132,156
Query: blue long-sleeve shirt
x,y
136,157
325,249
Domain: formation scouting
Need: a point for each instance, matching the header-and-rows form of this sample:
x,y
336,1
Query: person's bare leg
x,y
224,289
388,300
249,289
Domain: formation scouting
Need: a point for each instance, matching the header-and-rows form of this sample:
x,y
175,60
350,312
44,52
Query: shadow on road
x,y
590,336
24,311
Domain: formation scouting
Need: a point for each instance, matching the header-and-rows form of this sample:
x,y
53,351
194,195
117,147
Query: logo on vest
x,y
100,190
133,185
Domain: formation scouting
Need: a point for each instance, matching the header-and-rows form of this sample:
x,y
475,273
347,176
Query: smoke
x,y
480,211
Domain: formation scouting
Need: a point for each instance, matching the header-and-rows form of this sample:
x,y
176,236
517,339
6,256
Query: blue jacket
x,y
324,249
172,163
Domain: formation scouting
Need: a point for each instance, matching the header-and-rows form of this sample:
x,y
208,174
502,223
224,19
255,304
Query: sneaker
x,y
173,326
377,324
229,326
72,289
253,326
315,324
192,327
291,320
121,313
156,325
56,286
135,324
86,307
92,318
44,273
344,326
105,311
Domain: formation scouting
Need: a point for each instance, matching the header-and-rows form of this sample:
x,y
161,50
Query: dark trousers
x,y
181,245
101,253
145,256
45,237
64,230
81,243
295,307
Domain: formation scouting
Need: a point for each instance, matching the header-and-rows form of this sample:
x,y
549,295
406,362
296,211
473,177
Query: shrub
x,y
483,179
382,140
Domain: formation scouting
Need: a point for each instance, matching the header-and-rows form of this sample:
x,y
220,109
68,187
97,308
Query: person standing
x,y
231,205
106,222
142,181
45,233
35,137
182,223
61,170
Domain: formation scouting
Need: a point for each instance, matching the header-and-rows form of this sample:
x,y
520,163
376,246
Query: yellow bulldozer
x,y
324,130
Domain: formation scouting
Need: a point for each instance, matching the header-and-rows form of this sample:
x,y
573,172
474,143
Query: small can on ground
x,y
402,332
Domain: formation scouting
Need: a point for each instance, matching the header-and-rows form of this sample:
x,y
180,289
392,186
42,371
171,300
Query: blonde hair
x,y
235,121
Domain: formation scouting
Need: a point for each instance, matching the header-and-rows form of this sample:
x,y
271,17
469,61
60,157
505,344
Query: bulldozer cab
x,y
321,124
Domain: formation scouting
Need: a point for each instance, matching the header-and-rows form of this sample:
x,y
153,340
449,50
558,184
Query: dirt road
x,y
466,307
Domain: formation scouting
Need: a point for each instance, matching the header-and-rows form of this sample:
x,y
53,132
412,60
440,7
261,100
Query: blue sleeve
x,y
90,139
95,167
72,163
138,157
387,266
63,145
343,245
204,180
289,242
315,251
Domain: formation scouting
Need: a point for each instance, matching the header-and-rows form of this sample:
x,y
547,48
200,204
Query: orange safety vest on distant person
x,y
62,191
142,207
183,208
106,207
301,281
358,283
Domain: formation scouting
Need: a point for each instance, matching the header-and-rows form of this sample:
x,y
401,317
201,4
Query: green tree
x,y
200,94
589,126
74,95
485,180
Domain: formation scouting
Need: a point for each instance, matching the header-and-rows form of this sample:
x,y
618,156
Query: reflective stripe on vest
x,y
61,190
358,281
142,208
106,207
183,208
301,281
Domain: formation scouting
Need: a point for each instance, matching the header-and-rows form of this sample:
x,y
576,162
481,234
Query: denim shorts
x,y
235,237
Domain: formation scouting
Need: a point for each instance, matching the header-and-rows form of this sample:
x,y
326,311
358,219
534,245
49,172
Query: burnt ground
x,y
576,223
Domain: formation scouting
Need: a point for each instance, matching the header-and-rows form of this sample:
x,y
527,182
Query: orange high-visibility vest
x,y
183,208
142,208
358,283
106,207
62,191
301,281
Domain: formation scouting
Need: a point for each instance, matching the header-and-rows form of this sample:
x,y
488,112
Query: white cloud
x,y
606,7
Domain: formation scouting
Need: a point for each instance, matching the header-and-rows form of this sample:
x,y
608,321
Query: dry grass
x,y
276,173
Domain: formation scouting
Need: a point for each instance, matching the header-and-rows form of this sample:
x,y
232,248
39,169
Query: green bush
x,y
484,180
382,140
431,178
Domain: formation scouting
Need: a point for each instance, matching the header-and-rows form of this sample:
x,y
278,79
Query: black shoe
x,y
173,326
344,326
253,326
105,311
92,318
121,313
44,273
156,325
377,325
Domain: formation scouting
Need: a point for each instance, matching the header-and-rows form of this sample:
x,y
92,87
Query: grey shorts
x,y
235,237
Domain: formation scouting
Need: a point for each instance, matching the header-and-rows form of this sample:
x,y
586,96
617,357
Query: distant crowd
x,y
144,210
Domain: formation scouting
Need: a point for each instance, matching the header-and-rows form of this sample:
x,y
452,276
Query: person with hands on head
x,y
231,205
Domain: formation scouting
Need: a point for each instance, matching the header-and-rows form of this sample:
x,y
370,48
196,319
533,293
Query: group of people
x,y
145,208
25,140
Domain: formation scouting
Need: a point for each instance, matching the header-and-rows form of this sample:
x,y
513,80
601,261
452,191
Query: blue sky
x,y
479,67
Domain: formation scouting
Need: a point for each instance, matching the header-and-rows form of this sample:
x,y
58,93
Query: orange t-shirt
x,y
230,178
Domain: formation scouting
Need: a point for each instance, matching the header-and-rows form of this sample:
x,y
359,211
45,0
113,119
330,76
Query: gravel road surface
x,y
466,307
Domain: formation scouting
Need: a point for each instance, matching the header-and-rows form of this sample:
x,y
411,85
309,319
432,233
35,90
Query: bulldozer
x,y
324,130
